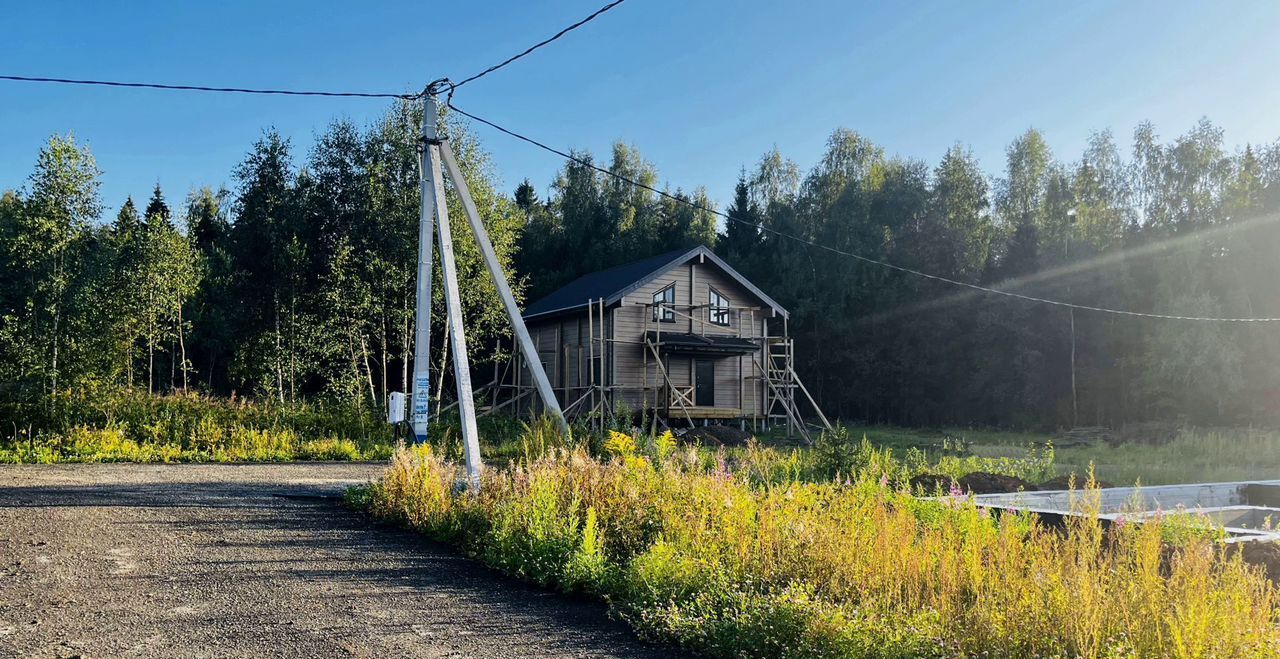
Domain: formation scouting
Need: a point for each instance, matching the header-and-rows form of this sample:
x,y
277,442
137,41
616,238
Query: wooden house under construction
x,y
682,336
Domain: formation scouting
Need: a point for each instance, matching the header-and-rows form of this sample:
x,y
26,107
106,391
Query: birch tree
x,y
46,251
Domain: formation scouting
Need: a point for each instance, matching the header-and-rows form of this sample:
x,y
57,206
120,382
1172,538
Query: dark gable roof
x,y
599,284
614,283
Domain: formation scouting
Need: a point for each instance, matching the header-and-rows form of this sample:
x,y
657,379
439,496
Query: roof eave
x,y
561,311
704,251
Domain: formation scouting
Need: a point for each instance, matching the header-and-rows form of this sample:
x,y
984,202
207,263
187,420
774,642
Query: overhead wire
x,y
455,85
447,86
203,88
442,84
865,259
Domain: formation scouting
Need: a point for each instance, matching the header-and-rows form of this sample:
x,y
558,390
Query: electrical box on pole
x,y
395,407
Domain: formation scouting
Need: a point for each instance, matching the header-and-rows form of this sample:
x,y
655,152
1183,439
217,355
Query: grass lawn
x,y
1193,456
116,425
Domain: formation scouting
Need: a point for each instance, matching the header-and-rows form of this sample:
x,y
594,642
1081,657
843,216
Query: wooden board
x,y
707,413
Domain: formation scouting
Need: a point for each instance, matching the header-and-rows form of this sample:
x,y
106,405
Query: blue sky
x,y
702,88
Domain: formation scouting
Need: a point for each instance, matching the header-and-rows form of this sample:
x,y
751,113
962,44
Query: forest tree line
x,y
299,281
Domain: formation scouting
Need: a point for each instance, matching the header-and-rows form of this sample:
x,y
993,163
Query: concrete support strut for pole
x,y
457,331
540,380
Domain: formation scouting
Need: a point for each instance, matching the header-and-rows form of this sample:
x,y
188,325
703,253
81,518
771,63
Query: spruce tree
x,y
157,209
741,236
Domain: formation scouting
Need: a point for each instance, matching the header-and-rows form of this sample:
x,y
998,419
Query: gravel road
x,y
255,561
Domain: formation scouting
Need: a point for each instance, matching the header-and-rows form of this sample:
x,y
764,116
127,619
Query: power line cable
x,y
453,86
202,88
442,84
865,259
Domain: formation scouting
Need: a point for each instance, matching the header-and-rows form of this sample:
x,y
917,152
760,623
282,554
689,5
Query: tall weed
x,y
697,551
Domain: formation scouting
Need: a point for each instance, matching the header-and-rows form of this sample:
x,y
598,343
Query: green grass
x,y
106,424
237,444
1191,456
112,425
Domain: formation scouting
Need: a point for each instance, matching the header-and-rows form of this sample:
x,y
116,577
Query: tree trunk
x,y
279,356
173,366
364,350
151,342
383,356
151,355
57,322
353,358
293,346
407,344
53,370
182,345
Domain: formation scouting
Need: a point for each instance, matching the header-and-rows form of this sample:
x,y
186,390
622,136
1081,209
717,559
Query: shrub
x,y
533,535
329,449
587,570
1036,466
835,452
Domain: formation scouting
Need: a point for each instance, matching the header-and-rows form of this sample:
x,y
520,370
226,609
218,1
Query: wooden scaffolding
x,y
588,382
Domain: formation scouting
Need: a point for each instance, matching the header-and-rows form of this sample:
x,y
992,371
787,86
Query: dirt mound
x,y
1064,483
717,436
978,482
1265,554
981,482
930,484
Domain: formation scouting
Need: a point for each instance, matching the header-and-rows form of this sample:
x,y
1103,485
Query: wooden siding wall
x,y
562,342
693,287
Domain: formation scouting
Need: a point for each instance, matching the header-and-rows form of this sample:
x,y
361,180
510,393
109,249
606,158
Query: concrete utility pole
x,y
426,248
1066,258
435,214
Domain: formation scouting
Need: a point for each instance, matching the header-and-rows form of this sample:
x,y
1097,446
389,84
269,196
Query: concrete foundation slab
x,y
1245,510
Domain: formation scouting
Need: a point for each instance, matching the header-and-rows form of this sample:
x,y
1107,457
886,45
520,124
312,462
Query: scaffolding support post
x,y
591,356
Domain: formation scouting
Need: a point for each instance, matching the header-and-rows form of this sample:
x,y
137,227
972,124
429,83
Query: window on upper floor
x,y
663,301
719,309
